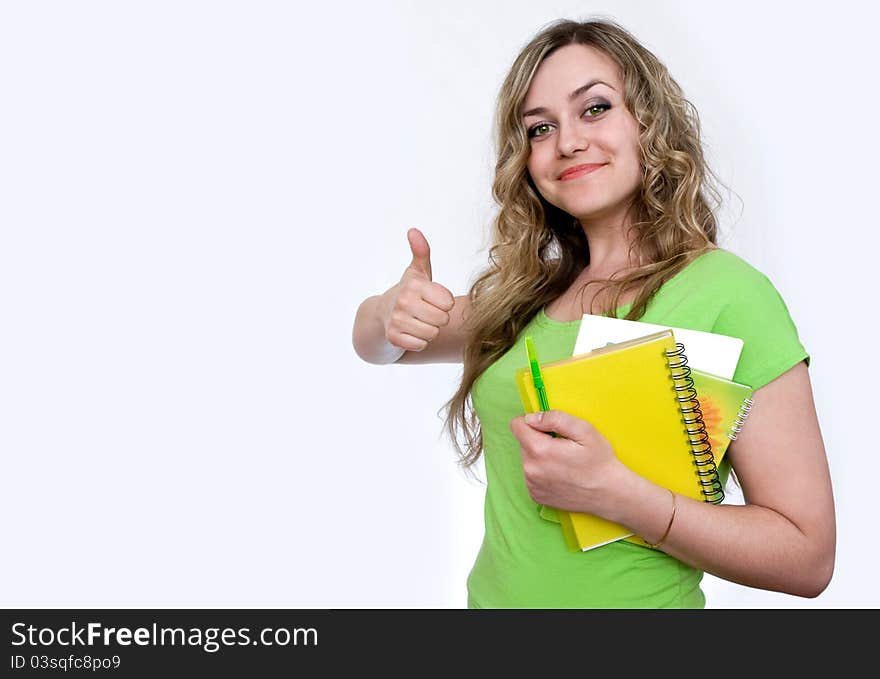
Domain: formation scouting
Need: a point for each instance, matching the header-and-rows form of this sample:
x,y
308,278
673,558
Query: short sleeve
x,y
757,314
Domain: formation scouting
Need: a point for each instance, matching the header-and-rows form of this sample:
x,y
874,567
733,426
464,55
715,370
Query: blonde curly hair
x,y
537,250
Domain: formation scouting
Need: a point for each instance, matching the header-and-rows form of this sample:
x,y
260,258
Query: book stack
x,y
666,418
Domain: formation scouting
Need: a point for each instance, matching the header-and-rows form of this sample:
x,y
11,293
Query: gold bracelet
x,y
671,519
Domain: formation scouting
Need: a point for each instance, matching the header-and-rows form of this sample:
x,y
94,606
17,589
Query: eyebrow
x,y
571,97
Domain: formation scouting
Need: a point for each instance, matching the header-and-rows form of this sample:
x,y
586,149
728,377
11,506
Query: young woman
x,y
605,207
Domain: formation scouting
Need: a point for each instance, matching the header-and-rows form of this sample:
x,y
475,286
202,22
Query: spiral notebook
x,y
725,405
640,396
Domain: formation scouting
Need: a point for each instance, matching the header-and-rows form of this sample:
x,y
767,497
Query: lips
x,y
578,170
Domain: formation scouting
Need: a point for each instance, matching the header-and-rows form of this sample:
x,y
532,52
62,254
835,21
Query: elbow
x,y
820,580
813,589
817,576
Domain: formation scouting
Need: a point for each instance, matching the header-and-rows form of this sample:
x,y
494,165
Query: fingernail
x,y
534,418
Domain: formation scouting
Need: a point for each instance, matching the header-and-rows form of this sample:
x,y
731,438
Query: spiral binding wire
x,y
701,448
740,419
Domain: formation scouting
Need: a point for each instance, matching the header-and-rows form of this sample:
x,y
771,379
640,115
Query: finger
x,y
417,327
412,306
406,341
439,296
421,252
529,439
559,422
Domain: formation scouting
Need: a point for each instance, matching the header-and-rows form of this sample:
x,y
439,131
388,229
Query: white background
x,y
195,197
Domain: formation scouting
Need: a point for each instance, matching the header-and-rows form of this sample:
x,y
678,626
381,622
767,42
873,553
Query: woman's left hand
x,y
573,471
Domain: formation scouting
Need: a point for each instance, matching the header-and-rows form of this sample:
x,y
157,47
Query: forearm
x,y
368,334
749,545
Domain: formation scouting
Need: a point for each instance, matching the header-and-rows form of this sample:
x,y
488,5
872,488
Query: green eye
x,y
534,130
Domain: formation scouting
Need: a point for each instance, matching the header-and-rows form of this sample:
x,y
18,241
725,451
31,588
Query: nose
x,y
571,138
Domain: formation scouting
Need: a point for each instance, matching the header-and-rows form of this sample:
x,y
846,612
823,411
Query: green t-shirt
x,y
523,561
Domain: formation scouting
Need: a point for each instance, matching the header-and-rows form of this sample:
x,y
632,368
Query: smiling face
x,y
582,120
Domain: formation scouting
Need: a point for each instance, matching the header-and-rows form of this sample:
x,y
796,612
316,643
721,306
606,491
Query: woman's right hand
x,y
416,308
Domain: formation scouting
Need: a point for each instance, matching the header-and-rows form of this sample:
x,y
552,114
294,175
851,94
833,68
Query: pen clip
x,y
537,378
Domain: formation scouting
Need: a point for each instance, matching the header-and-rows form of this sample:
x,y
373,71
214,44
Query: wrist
x,y
369,335
622,484
388,353
662,538
385,302
642,506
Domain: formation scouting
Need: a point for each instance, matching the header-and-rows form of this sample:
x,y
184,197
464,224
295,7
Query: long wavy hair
x,y
538,250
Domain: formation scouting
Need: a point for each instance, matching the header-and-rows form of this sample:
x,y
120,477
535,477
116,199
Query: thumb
x,y
421,252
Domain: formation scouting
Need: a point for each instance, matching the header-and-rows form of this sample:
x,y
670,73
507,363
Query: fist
x,y
417,307
572,471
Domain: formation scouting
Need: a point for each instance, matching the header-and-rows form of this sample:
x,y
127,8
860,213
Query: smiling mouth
x,y
580,172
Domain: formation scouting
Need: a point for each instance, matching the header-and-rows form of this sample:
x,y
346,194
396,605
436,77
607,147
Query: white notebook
x,y
706,351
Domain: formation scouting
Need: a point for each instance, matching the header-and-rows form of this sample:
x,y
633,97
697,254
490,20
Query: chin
x,y
591,212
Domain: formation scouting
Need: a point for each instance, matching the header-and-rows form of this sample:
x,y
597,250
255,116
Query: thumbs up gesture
x,y
416,308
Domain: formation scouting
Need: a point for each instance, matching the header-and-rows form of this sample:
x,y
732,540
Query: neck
x,y
609,248
609,237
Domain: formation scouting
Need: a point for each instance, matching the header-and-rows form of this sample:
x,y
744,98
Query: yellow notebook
x,y
640,396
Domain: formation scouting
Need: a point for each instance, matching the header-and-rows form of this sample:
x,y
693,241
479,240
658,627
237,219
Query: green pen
x,y
537,379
